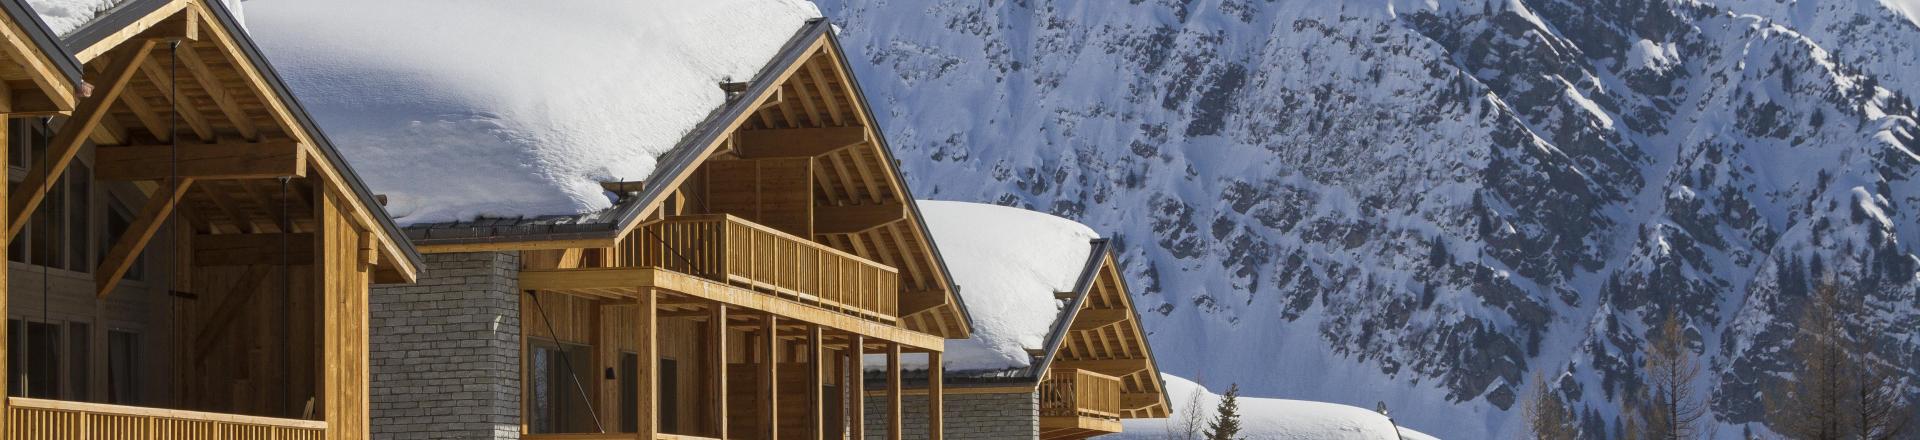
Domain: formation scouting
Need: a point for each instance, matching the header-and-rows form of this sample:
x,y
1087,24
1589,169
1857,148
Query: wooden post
x,y
857,388
4,128
647,338
817,356
717,345
936,397
769,374
893,391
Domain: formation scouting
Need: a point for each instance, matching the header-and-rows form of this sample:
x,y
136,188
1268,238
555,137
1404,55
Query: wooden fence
x,y
1080,393
39,419
730,249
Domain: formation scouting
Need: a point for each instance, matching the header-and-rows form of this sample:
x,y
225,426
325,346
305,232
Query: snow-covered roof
x,y
1008,263
457,109
1274,419
66,16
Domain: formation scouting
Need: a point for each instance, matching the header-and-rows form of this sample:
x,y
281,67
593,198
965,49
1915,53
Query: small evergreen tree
x,y
1226,418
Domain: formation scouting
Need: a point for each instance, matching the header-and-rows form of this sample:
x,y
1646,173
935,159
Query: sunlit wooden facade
x,y
1094,370
189,258
733,292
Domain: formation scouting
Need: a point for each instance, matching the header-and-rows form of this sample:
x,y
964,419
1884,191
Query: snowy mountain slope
x,y
1423,202
1270,419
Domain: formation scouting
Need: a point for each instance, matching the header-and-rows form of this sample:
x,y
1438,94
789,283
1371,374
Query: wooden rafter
x,y
164,82
249,249
796,142
31,190
264,160
826,94
229,106
121,257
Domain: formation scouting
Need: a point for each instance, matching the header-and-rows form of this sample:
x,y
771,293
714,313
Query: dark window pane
x,y
123,382
79,355
558,406
31,358
629,392
670,393
79,217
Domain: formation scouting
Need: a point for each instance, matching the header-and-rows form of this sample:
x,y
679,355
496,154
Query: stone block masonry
x,y
446,350
968,416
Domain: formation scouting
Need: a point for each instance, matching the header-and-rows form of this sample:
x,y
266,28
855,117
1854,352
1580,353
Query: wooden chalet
x,y
1097,367
732,293
188,255
1094,367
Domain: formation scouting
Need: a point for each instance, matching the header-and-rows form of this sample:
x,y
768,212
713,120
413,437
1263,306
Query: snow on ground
x,y
64,16
1269,419
1008,263
463,108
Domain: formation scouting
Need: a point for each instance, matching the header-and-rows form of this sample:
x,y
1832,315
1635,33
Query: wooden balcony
x,y
607,436
64,420
731,250
1078,403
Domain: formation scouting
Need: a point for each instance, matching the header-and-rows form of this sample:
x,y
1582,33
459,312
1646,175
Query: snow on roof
x,y
1262,418
1008,263
457,109
65,16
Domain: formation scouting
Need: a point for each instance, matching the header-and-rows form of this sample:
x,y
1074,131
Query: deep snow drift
x,y
464,108
1268,419
1008,263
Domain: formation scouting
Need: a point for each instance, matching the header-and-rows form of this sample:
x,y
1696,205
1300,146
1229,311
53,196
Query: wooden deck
x,y
1077,403
732,250
64,420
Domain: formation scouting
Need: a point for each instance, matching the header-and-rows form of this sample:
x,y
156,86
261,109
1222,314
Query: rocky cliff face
x,y
1427,201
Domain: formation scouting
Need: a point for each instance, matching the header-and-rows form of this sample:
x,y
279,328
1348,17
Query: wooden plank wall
x,y
238,358
343,278
773,192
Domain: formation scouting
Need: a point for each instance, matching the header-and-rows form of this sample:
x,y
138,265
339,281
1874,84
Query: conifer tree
x,y
1674,411
1226,418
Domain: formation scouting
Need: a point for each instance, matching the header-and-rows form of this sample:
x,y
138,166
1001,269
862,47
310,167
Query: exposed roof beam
x,y
250,249
1138,401
164,81
1089,319
218,92
796,142
28,194
851,219
265,160
1110,367
121,257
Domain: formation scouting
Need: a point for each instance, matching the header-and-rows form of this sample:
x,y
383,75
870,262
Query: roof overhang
x,y
53,70
210,22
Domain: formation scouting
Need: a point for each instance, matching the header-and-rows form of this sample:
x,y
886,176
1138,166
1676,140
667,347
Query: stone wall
x,y
446,350
968,416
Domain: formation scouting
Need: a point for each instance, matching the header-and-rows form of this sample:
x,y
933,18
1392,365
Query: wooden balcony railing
x,y
62,420
730,249
1080,393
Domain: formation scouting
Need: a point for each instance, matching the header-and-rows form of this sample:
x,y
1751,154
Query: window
x,y
669,392
119,218
629,392
557,404
79,183
79,353
33,359
123,354
58,234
